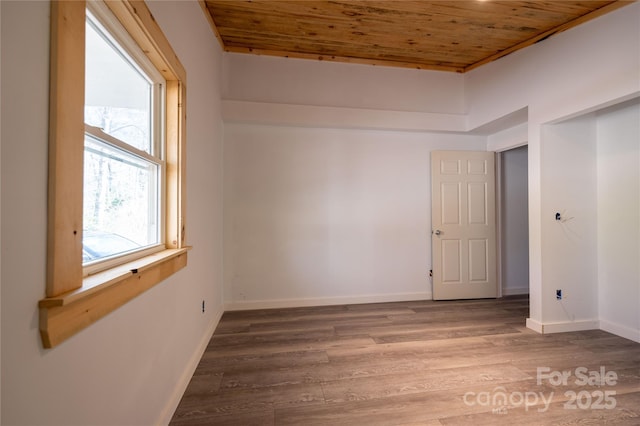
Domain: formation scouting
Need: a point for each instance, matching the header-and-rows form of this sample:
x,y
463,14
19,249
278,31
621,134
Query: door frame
x,y
499,221
499,216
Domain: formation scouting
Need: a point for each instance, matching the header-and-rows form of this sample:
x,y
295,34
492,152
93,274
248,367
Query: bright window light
x,y
123,167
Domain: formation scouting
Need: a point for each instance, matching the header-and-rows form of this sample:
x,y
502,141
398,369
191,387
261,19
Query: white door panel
x,y
463,225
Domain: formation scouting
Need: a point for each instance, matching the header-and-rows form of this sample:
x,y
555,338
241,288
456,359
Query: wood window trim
x,y
73,302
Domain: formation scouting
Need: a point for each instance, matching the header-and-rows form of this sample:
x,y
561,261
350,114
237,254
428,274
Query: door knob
x,y
437,232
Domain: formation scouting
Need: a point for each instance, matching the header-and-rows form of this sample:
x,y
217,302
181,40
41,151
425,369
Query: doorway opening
x,y
513,226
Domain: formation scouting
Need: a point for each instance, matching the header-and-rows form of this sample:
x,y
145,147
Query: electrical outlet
x,y
559,294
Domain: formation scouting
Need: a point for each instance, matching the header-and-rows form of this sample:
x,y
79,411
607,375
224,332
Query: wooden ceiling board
x,y
443,35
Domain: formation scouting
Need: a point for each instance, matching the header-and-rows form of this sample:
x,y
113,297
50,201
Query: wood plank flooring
x,y
427,363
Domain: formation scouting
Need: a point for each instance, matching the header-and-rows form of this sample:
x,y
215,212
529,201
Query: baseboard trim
x,y
324,301
190,368
620,330
534,325
562,327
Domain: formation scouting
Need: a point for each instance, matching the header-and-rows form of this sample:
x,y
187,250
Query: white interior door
x,y
463,238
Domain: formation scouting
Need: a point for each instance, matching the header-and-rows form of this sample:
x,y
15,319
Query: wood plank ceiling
x,y
440,35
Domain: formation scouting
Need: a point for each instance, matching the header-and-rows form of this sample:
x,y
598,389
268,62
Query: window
x,y
123,149
116,162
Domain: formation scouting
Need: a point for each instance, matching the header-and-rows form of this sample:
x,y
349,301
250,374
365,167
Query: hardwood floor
x,y
427,363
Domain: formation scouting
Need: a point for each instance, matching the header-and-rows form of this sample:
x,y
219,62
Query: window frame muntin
x,y
71,302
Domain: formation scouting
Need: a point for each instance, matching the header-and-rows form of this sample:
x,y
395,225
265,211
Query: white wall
x,y
580,70
540,80
304,82
320,216
297,92
618,148
327,179
130,367
515,223
592,177
569,245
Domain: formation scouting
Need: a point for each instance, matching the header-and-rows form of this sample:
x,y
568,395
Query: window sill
x,y
63,316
